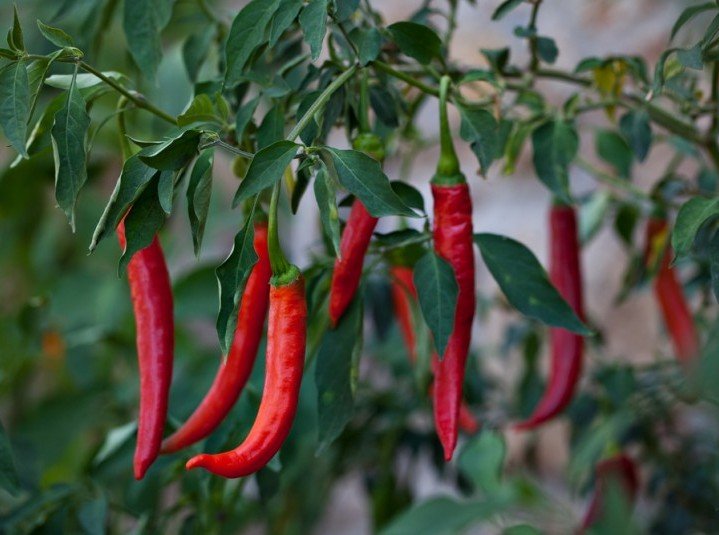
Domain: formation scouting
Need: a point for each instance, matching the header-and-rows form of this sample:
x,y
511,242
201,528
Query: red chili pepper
x,y
618,470
286,332
668,291
235,370
403,292
348,266
566,347
453,242
152,303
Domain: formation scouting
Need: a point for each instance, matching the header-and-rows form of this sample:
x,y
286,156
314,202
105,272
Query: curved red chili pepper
x,y
566,347
453,242
152,303
235,370
348,266
668,291
619,470
286,336
403,291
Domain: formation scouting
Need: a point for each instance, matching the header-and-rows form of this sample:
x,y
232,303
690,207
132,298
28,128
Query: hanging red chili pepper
x,y
453,242
404,294
286,337
357,233
668,291
620,471
566,347
235,370
152,304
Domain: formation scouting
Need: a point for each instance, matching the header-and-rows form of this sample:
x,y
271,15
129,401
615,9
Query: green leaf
x,y
15,38
244,116
479,129
199,189
416,40
265,169
283,19
689,13
384,106
592,214
36,72
166,190
56,36
525,283
363,176
201,110
505,7
335,374
482,461
174,153
368,43
637,130
142,223
547,49
439,516
114,441
68,133
93,516
195,50
437,291
143,22
326,195
8,473
613,149
313,21
232,276
555,145
410,195
15,104
691,216
133,180
82,80
272,128
691,57
246,34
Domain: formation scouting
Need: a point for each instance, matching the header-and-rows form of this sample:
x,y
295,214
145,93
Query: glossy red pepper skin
x,y
668,291
286,337
619,469
235,370
151,295
453,242
566,348
403,294
348,266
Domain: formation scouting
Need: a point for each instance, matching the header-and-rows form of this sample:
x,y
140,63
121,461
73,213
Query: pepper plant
x,y
123,117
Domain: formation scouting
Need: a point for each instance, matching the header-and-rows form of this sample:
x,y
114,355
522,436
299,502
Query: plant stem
x,y
534,61
136,98
384,67
448,164
279,263
321,101
228,147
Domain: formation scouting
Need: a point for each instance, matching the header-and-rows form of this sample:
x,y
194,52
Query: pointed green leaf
x,y
15,37
283,19
313,21
505,7
416,40
334,374
201,110
246,34
199,190
555,145
326,195
613,149
142,223
15,104
479,128
368,42
244,116
482,461
272,127
195,51
689,13
68,133
437,291
547,49
232,276
143,22
363,176
166,190
637,130
439,516
525,284
56,36
266,168
691,216
173,154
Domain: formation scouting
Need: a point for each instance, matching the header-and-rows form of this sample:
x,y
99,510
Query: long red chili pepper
x,y
348,265
619,470
152,303
286,338
355,240
403,293
237,367
566,347
453,242
668,291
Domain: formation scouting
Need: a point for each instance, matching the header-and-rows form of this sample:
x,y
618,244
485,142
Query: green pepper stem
x,y
448,164
122,129
278,262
